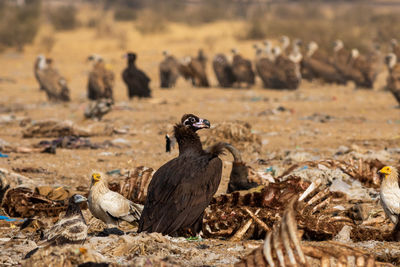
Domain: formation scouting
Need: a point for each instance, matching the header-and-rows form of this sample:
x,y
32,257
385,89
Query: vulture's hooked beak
x,y
96,177
202,123
79,199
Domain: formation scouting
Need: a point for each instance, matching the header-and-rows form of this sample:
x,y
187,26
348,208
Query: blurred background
x,y
357,23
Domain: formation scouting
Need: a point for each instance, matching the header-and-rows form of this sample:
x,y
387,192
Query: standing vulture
x,y
315,66
393,80
101,79
363,73
136,80
242,69
341,57
182,188
169,71
286,73
223,71
265,65
194,69
51,81
72,228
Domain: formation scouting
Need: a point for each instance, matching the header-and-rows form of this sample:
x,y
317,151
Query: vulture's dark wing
x,y
179,192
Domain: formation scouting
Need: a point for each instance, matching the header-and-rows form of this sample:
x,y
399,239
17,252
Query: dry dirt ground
x,y
316,120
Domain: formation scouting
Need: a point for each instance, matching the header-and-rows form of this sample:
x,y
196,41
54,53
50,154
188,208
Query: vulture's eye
x,y
191,119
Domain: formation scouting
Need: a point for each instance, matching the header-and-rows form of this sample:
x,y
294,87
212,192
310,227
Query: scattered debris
x,y
97,109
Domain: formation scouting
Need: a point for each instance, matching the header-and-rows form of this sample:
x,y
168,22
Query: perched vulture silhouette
x,y
135,79
242,69
194,69
169,71
315,66
182,188
223,71
71,228
393,80
101,79
51,81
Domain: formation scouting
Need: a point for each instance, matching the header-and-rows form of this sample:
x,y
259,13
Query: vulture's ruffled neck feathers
x,y
73,210
187,140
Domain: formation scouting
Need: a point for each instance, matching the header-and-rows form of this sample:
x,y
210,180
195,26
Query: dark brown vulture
x,y
286,73
341,58
264,65
51,81
223,71
242,70
393,80
101,79
136,80
72,228
182,188
194,69
169,71
315,66
363,73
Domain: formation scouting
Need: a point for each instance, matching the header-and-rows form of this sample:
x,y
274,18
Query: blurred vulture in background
x,y
286,73
51,81
264,63
223,71
316,66
36,70
393,80
135,79
194,69
169,70
242,70
101,79
362,70
395,48
341,57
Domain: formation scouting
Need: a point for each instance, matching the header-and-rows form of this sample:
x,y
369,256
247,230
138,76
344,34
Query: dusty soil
x,y
316,119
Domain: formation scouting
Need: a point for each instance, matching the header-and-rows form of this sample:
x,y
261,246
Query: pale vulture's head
x,y
394,43
337,45
311,48
355,53
285,41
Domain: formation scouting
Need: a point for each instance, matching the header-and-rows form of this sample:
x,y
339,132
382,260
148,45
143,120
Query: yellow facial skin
x,y
386,171
96,177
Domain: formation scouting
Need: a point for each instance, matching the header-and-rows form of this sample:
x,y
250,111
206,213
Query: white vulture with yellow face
x,y
390,193
109,206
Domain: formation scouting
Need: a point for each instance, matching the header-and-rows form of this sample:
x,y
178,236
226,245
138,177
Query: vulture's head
x,y
285,41
131,56
389,173
194,123
355,53
78,199
95,58
97,177
391,60
297,43
337,45
165,53
311,48
235,51
276,51
41,61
